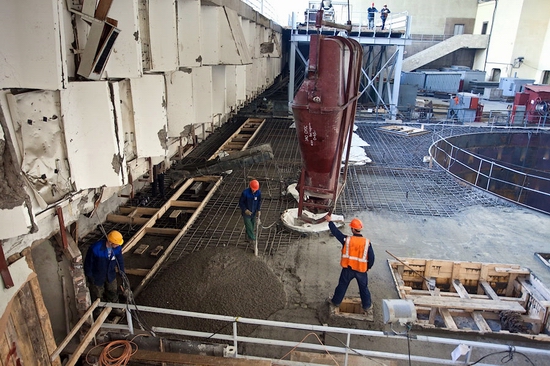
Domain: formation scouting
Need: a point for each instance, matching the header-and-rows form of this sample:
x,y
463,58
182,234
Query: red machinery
x,y
531,105
324,111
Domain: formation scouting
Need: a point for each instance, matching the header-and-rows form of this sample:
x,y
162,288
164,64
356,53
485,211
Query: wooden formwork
x,y
474,296
26,336
147,218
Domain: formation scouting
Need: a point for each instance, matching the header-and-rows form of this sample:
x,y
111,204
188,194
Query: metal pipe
x,y
314,328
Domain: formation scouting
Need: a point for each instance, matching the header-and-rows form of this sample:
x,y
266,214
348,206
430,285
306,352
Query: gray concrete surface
x,y
310,268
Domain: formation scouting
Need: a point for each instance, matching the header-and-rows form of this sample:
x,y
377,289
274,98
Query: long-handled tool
x,y
429,282
256,232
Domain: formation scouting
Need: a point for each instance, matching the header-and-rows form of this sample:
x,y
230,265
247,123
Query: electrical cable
x,y
130,300
509,356
320,342
108,356
355,351
409,342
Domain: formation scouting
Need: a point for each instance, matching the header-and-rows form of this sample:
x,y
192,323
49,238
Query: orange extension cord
x,y
106,358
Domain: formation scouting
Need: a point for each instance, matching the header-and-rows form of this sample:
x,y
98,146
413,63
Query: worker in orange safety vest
x,y
357,258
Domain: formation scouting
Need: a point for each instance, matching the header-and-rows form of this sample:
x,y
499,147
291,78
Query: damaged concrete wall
x,y
72,136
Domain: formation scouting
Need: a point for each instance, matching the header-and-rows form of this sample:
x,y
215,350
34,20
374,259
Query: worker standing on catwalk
x,y
370,13
250,205
102,259
357,258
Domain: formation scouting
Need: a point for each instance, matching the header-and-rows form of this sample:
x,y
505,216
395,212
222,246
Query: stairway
x,y
441,49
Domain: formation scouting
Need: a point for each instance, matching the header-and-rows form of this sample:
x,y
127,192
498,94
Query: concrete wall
x,y
521,28
429,16
66,131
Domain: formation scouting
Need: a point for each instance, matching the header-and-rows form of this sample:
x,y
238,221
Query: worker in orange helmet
x,y
102,259
357,258
250,204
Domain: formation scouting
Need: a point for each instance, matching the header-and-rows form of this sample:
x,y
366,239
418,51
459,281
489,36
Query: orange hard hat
x,y
254,185
356,224
115,237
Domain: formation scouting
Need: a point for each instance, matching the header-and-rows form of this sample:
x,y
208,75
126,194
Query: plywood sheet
x,y
179,106
231,85
163,35
239,53
218,91
44,67
150,120
92,147
241,83
202,94
39,131
210,40
125,59
189,35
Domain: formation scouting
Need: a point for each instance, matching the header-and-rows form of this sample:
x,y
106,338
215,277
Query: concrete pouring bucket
x,y
324,110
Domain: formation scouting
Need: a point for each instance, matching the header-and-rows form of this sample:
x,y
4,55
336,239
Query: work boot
x,y
331,304
368,312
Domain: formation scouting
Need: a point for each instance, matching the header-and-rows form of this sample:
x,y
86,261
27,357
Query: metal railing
x,y
308,329
521,187
359,21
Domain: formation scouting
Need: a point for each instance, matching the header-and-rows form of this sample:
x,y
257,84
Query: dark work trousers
x,y
159,181
107,291
346,276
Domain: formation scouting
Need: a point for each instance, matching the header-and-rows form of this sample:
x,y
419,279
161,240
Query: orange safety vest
x,y
354,253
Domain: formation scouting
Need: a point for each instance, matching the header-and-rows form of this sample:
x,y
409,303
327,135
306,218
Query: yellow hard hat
x,y
115,237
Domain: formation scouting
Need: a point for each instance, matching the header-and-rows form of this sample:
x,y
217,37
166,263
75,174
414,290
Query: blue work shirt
x,y
100,265
250,201
342,239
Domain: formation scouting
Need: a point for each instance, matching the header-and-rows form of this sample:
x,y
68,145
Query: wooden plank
x,y
103,9
37,335
75,329
186,204
137,271
141,249
448,319
141,211
489,290
174,242
483,278
515,269
455,274
141,232
11,344
510,287
460,290
162,231
21,335
433,311
43,318
121,219
468,304
156,251
481,322
137,211
252,125
427,273
175,214
88,338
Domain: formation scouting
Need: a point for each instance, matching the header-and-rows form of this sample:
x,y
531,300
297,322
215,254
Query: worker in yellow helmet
x,y
250,203
357,258
102,259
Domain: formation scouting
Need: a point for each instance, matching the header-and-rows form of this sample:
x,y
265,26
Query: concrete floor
x,y
408,209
